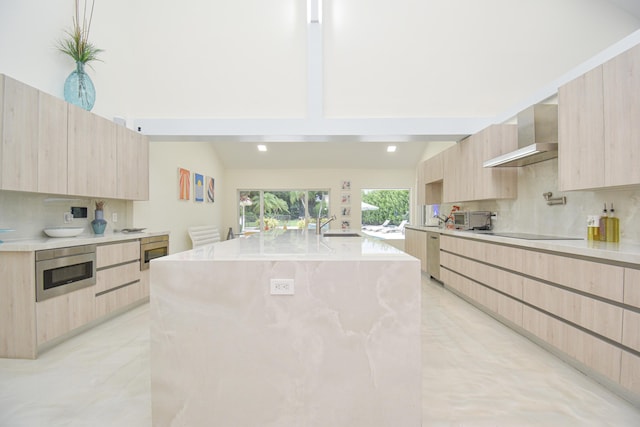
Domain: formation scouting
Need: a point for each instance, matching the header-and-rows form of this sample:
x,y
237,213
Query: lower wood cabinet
x,y
585,309
415,244
60,315
118,279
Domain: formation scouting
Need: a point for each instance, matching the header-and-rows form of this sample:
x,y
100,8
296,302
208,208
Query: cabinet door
x,y
19,144
433,168
621,77
495,183
52,144
60,315
581,147
416,245
133,165
452,170
92,155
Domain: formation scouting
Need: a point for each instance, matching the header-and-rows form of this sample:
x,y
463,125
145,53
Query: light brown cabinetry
x,y
49,146
34,140
599,134
133,165
58,316
433,173
583,308
17,305
467,180
19,137
118,277
92,155
415,242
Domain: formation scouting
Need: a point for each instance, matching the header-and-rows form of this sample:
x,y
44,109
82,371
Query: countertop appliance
x,y
63,270
537,138
472,220
151,248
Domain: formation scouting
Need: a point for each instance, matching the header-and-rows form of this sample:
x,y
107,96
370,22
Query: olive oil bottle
x,y
603,224
613,226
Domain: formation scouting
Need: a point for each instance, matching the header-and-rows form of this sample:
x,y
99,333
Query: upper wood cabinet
x,y
92,155
599,134
464,177
52,144
49,146
133,165
433,168
19,137
430,175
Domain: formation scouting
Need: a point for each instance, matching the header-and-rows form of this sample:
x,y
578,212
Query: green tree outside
x,y
393,205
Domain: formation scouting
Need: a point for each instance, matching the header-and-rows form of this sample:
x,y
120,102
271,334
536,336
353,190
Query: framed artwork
x,y
198,185
211,191
346,185
346,224
346,198
345,211
184,184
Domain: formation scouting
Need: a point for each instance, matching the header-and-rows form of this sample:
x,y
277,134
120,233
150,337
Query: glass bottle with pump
x,y
613,226
603,225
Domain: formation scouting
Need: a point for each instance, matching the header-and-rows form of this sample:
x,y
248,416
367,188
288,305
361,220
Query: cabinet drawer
x,y
111,301
588,276
599,355
59,315
632,287
630,372
600,317
117,276
118,253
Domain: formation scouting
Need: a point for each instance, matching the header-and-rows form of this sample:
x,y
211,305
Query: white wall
x,y
248,58
164,211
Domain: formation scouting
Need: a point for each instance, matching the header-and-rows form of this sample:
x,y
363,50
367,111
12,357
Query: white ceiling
x,y
346,153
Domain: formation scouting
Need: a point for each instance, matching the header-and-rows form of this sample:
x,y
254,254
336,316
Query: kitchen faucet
x,y
319,225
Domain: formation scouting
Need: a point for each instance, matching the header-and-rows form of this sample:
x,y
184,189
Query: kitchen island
x,y
286,329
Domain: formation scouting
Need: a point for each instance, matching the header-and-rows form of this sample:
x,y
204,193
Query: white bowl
x,y
63,231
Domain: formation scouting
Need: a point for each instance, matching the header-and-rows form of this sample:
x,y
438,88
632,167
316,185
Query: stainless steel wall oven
x,y
153,247
63,270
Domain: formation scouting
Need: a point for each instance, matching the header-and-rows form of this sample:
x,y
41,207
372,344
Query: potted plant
x,y
78,87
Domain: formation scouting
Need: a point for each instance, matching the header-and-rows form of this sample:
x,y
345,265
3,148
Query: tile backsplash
x,y
30,213
530,213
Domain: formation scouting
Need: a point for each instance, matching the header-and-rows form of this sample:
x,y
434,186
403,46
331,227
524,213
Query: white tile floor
x,y
477,372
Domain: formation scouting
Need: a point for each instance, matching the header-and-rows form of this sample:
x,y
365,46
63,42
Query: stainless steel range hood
x,y
537,138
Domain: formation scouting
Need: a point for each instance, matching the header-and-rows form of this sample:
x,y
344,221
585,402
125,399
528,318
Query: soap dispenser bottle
x,y
603,224
613,226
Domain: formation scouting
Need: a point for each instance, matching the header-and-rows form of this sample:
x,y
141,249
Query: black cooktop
x,y
527,236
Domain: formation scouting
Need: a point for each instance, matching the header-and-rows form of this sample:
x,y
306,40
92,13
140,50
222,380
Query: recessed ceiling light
x,y
262,147
391,149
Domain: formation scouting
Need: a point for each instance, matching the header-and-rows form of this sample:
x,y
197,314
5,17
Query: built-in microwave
x,y
472,220
63,270
151,248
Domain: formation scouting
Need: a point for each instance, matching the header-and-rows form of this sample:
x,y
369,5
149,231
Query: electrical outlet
x,y
282,287
67,217
114,217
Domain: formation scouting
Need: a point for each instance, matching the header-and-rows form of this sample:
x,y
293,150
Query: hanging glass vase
x,y
79,89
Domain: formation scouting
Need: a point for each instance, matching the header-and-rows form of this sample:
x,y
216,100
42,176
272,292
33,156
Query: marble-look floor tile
x,y
476,372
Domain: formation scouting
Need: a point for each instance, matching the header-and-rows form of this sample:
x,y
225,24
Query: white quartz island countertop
x,y
342,350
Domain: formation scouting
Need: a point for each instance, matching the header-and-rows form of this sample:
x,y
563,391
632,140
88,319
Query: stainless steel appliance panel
x,y
63,270
151,248
433,254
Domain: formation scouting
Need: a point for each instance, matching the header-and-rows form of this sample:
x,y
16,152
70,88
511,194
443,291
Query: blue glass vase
x,y
79,89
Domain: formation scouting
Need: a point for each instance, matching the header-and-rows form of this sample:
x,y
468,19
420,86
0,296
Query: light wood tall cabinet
x,y
433,176
133,165
599,134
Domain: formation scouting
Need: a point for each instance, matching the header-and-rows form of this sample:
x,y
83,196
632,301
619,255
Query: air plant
x,y
77,44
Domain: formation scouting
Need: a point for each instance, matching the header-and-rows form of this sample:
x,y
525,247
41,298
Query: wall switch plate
x,y
114,217
282,287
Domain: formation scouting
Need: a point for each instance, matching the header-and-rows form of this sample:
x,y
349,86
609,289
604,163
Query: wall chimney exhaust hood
x,y
537,138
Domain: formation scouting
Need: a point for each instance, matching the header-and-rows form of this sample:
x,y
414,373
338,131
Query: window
x,y
272,209
385,212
